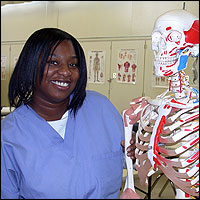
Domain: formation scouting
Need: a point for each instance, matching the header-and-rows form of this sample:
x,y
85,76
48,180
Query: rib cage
x,y
178,147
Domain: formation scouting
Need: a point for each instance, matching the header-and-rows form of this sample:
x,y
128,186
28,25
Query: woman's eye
x,y
52,62
72,65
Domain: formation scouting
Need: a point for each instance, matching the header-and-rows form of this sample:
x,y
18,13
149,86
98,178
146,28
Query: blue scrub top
x,y
37,163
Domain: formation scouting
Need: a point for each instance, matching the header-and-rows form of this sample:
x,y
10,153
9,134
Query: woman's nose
x,y
64,70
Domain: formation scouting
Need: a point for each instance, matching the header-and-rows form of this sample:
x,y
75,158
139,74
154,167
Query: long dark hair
x,y
40,44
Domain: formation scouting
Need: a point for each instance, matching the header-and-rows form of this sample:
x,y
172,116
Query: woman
x,y
61,141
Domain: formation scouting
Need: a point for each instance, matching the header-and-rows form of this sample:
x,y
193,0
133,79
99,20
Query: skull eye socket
x,y
156,37
174,36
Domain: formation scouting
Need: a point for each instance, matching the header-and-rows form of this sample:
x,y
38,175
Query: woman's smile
x,y
61,85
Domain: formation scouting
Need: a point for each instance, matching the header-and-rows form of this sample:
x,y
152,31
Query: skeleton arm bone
x,y
129,189
130,117
129,164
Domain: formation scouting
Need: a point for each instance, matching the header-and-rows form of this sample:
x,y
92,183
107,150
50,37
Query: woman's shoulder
x,y
91,94
99,101
9,121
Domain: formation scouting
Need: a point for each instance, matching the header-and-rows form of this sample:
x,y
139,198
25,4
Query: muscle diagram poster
x,y
127,66
96,67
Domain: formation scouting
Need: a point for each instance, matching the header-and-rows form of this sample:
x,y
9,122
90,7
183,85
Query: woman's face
x,y
60,79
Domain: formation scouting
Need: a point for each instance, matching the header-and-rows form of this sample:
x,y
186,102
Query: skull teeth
x,y
166,60
161,58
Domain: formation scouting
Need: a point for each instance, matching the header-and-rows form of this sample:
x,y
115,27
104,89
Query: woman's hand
x,y
130,148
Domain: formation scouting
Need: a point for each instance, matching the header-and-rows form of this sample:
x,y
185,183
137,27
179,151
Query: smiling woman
x,y
42,59
59,80
61,141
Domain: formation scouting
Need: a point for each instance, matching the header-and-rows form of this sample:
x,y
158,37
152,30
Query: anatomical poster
x,y
127,66
3,67
96,67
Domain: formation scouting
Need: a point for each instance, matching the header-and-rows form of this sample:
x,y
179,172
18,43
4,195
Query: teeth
x,y
60,83
166,60
159,58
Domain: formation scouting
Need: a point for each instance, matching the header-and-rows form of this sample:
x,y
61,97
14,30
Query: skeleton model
x,y
168,134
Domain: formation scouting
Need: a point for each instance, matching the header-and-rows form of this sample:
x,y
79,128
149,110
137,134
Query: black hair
x,y
38,46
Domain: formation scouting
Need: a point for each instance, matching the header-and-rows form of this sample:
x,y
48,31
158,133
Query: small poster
x,y
127,66
96,67
3,67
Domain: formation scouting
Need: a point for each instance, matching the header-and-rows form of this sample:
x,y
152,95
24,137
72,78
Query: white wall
x,y
86,19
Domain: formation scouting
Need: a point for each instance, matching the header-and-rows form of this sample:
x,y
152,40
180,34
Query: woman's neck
x,y
49,111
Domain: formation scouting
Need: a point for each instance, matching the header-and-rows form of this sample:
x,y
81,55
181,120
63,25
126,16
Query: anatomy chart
x,y
3,67
127,66
96,66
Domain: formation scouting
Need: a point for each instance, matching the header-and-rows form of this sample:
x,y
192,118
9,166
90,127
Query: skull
x,y
174,38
